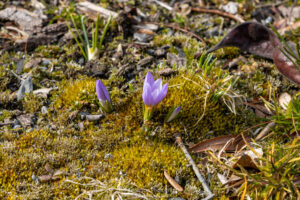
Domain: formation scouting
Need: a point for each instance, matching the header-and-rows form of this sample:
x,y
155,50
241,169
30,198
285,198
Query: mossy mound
x,y
116,146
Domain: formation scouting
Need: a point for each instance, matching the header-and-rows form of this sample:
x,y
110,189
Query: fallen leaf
x,y
234,143
257,39
173,182
252,37
247,160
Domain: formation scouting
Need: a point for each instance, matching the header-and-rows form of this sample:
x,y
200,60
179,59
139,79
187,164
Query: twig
x,y
188,32
218,12
173,182
265,131
195,168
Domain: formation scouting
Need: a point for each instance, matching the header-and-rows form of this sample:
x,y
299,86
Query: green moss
x,y
140,157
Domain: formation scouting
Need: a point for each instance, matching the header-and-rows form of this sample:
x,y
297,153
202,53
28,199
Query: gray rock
x,y
94,117
26,120
20,65
26,87
231,7
44,110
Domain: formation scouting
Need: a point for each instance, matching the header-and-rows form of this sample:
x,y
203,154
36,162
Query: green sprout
x,y
89,50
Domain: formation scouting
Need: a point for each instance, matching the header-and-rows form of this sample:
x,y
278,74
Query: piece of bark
x,y
48,35
92,10
27,20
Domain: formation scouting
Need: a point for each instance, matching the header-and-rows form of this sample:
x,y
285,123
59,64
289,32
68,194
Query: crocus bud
x,y
103,97
173,114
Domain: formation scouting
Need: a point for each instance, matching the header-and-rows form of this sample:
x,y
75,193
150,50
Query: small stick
x,y
173,182
265,131
195,168
218,12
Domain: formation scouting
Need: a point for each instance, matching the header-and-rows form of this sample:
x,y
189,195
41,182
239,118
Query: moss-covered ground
x,y
116,154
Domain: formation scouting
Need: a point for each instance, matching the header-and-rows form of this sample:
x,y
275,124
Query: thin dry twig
x,y
218,12
173,182
210,195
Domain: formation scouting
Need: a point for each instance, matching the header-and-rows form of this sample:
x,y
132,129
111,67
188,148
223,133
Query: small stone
x,y
44,110
20,65
81,126
167,72
231,7
214,31
46,62
26,87
107,156
16,126
81,61
26,120
94,117
160,52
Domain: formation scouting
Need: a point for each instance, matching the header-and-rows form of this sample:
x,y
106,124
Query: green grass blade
x,y
84,32
78,43
104,32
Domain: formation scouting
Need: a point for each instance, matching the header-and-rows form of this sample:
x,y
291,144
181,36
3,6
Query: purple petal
x,y
157,84
102,92
147,96
162,93
149,79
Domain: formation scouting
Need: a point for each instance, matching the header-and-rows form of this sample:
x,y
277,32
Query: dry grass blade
x,y
173,182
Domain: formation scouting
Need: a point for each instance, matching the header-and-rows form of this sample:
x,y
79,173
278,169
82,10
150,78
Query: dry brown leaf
x,y
173,182
234,143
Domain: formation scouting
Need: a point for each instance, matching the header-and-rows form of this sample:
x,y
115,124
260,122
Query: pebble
x,y
94,117
46,62
107,156
44,110
16,126
231,7
26,87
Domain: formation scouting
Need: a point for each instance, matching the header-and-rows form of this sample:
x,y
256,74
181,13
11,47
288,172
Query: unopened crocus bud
x,y
173,114
103,97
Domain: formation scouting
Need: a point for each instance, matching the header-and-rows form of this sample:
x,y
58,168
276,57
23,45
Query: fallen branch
x,y
195,168
218,12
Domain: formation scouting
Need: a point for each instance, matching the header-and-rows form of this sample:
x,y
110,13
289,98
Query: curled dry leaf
x,y
252,37
257,39
173,182
247,160
233,143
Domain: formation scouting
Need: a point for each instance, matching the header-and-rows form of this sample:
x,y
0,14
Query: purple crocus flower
x,y
103,96
173,114
153,91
